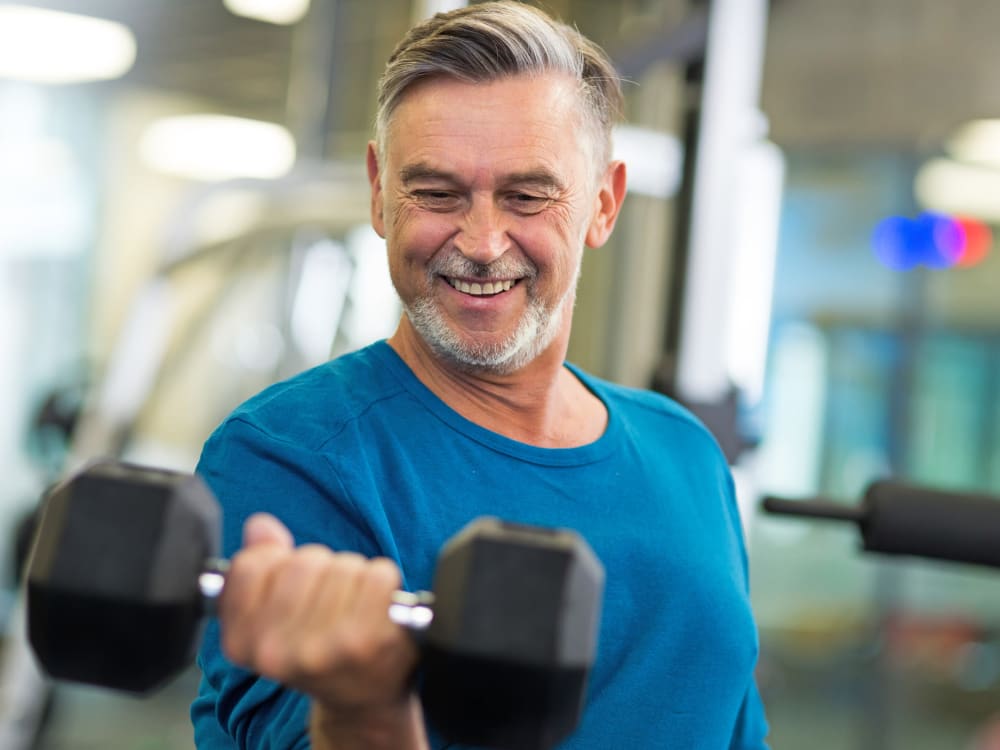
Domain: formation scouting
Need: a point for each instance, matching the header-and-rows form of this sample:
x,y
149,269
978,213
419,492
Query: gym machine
x,y
901,518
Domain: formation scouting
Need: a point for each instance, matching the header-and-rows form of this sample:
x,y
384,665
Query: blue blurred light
x,y
931,239
890,243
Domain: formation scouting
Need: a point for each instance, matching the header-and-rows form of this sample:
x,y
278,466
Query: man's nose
x,y
482,236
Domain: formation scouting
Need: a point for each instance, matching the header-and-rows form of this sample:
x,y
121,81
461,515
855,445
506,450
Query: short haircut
x,y
494,40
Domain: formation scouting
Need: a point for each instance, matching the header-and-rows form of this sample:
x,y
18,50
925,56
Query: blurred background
x,y
806,258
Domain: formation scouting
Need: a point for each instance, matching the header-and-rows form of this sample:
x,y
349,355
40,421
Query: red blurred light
x,y
978,240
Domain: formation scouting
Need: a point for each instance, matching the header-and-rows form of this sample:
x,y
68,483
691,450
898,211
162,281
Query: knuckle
x,y
306,562
271,656
356,649
344,570
315,655
249,567
348,564
384,573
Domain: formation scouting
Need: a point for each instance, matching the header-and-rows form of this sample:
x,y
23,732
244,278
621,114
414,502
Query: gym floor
x,y
90,719
805,710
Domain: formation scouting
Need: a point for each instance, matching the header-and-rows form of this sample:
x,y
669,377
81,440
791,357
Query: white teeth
x,y
479,290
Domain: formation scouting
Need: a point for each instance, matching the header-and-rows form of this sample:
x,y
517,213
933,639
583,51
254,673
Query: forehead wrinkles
x,y
532,164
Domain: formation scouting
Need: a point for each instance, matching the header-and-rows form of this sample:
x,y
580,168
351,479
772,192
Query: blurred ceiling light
x,y
227,215
36,159
653,160
424,9
47,46
977,142
217,147
960,189
284,12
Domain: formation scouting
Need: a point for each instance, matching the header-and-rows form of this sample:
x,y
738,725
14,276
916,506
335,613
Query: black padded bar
x,y
900,518
905,519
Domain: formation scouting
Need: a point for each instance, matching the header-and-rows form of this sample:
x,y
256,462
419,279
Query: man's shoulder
x,y
638,400
650,412
309,407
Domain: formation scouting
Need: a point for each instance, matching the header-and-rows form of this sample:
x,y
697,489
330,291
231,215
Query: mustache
x,y
456,265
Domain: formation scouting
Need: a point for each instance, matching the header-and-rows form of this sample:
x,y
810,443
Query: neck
x,y
541,404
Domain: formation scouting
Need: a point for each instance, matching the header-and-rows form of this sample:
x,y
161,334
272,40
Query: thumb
x,y
263,528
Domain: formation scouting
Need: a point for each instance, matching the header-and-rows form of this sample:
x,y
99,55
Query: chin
x,y
534,334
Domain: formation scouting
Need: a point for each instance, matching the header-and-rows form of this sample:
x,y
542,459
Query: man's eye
x,y
436,199
527,202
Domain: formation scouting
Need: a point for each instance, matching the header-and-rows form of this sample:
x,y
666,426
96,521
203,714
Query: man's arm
x,y
317,621
399,726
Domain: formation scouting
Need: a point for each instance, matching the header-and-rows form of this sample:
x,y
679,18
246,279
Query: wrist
x,y
398,726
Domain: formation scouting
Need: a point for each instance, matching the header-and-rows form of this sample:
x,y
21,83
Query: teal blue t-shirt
x,y
359,455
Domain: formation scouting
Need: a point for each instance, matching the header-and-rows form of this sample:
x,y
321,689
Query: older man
x,y
490,174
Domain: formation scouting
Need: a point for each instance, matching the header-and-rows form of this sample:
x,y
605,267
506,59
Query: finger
x,y
366,613
381,578
390,653
314,592
282,613
242,607
354,652
263,528
313,580
337,591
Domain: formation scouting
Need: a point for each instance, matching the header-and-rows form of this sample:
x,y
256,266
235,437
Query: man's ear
x,y
375,182
607,204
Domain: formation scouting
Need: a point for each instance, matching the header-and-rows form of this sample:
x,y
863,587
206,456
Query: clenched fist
x,y
317,621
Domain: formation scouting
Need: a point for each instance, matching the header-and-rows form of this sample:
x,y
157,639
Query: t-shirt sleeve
x,y
250,470
236,709
750,732
751,728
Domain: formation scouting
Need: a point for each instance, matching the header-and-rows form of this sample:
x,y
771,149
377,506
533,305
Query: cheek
x,y
559,244
418,233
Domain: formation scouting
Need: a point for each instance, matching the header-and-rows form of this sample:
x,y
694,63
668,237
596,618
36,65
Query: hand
x,y
317,621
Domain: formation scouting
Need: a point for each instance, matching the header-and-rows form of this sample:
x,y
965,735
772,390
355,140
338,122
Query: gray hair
x,y
485,42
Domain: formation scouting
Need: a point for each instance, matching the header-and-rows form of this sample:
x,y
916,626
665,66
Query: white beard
x,y
535,331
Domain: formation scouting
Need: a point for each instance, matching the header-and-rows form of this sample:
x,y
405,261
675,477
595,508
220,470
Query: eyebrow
x,y
542,178
415,172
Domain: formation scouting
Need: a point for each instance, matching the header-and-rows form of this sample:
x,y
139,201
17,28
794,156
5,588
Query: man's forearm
x,y
395,728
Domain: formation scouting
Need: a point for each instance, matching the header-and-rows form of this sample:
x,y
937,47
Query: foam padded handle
x,y
906,519
900,518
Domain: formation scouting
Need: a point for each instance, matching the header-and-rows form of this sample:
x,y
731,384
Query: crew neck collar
x,y
577,455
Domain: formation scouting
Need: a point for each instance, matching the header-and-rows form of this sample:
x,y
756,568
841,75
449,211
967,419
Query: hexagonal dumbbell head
x,y
514,634
112,583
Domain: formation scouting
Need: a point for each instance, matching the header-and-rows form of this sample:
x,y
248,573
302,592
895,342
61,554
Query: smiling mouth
x,y
477,289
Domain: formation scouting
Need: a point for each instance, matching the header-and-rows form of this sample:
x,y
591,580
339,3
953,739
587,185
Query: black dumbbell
x,y
124,567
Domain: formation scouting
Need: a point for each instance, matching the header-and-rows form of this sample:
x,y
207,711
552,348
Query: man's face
x,y
486,199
